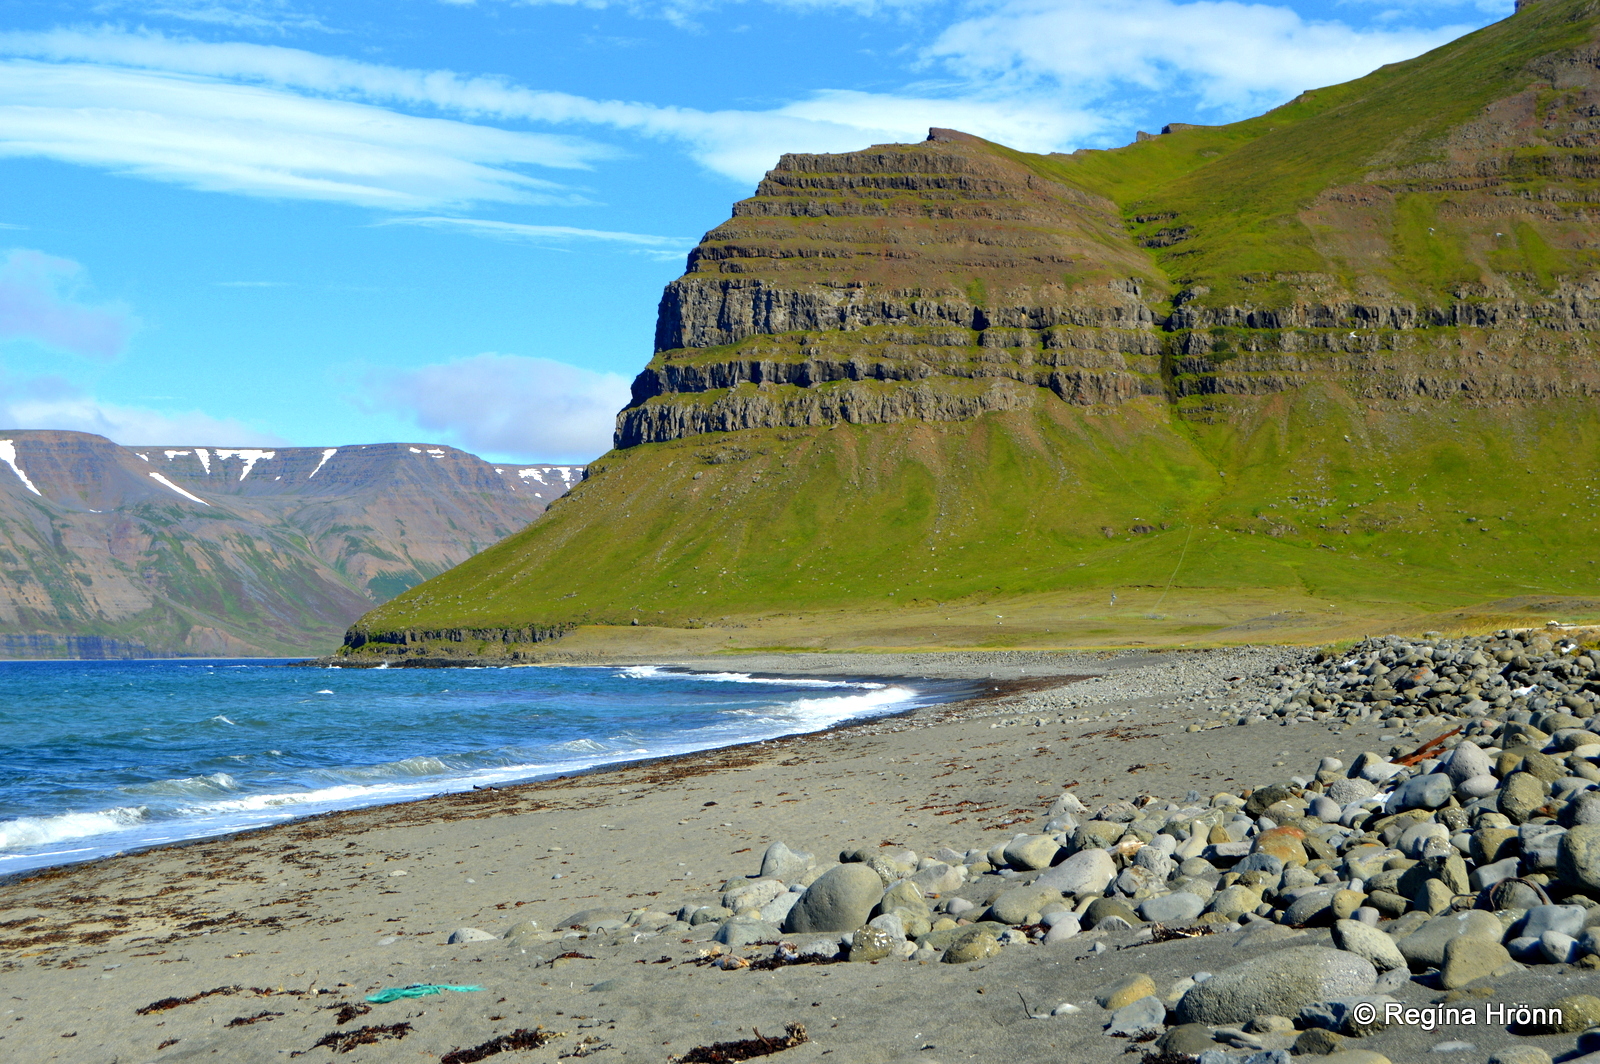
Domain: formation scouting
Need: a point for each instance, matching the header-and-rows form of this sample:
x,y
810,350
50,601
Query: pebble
x,y
1126,991
1369,943
1138,1018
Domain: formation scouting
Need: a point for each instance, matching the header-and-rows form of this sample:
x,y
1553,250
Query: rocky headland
x,y
1343,350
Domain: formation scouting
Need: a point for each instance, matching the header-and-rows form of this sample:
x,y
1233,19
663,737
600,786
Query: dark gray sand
x,y
311,916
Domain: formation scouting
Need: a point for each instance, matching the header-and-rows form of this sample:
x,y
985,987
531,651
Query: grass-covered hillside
x,y
1319,372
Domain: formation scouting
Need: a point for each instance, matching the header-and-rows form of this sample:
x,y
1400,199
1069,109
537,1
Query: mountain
x,y
111,551
1324,370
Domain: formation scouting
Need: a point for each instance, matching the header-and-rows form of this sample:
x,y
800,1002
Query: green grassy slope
x,y
1406,516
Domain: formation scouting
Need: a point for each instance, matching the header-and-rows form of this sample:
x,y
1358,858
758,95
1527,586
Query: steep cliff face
x,y
109,551
905,282
957,372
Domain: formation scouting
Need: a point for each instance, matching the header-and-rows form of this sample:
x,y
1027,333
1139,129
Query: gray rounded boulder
x,y
840,900
1278,984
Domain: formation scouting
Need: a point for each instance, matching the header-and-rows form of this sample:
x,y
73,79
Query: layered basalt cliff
x,y
908,282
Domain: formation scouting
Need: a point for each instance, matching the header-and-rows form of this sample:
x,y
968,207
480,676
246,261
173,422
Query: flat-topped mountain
x,y
111,551
1336,361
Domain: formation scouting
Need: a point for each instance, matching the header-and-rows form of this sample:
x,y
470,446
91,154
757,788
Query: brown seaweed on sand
x,y
243,1021
522,1038
748,1049
173,1002
345,1041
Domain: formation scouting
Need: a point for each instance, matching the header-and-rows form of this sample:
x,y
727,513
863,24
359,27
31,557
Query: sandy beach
x,y
291,925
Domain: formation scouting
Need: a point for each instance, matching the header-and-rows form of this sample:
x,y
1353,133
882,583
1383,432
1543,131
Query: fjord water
x,y
102,756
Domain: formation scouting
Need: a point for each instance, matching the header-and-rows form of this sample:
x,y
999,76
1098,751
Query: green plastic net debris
x,y
416,990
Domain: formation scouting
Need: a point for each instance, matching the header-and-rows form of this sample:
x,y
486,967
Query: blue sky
x,y
303,222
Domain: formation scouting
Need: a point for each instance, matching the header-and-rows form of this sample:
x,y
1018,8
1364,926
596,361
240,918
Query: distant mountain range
x,y
1323,371
178,550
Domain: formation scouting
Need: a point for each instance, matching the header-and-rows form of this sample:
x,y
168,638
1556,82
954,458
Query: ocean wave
x,y
650,672
406,768
812,713
188,786
30,831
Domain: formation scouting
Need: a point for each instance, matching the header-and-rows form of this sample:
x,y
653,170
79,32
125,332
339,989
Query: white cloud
x,y
40,302
739,144
1231,56
52,403
534,409
211,134
549,235
261,16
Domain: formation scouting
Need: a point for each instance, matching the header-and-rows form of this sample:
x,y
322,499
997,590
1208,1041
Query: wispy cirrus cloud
x,y
261,140
527,409
41,301
741,144
559,236
259,16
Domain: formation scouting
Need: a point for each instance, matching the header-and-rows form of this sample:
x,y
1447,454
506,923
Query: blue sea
x,y
98,757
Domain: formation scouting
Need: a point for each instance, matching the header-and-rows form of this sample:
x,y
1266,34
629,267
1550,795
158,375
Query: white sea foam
x,y
31,831
651,672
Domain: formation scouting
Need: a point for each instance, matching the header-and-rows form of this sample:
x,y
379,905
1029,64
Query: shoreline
x,y
917,698
320,912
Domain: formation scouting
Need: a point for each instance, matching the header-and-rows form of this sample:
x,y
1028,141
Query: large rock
x,y
1468,761
1352,790
780,862
840,900
938,878
1031,852
1467,959
1424,947
1578,859
738,932
1016,905
1085,872
752,895
1522,795
1422,792
469,934
1277,984
1177,909
1369,943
